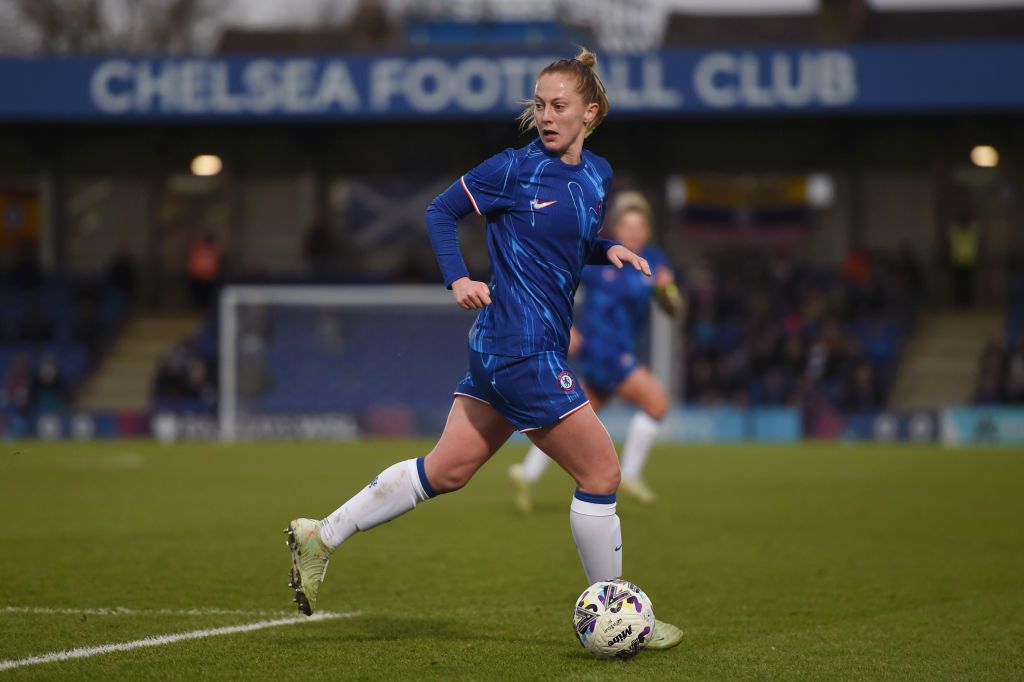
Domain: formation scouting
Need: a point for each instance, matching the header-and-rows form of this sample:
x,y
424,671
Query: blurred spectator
x,y
49,391
1014,391
184,380
908,276
702,385
963,242
320,247
35,326
734,375
15,392
1015,281
991,369
793,358
26,272
122,275
705,330
85,315
203,269
857,268
165,385
861,390
86,329
767,352
198,387
776,387
827,355
879,341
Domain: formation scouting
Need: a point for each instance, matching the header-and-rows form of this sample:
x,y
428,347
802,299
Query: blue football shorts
x,y
530,391
603,371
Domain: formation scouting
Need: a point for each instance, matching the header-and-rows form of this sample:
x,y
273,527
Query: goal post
x,y
339,361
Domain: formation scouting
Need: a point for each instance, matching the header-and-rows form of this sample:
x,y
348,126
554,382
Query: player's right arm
x,y
471,294
487,188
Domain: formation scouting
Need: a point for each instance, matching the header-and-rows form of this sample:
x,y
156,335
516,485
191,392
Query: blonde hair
x,y
626,202
588,84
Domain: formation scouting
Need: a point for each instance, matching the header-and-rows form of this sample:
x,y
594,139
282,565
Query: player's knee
x,y
657,406
658,410
452,479
612,479
601,482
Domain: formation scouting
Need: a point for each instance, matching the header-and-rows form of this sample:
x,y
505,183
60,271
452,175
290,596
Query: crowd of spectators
x,y
52,331
27,389
770,331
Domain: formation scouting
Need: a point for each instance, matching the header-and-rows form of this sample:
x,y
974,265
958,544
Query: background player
x,y
616,306
543,204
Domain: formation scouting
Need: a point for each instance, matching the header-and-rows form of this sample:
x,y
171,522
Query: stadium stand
x,y
52,332
808,334
781,333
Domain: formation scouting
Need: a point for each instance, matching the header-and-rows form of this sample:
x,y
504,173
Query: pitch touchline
x,y
160,640
123,611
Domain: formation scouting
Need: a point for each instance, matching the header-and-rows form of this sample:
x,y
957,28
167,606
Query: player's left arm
x,y
619,256
607,252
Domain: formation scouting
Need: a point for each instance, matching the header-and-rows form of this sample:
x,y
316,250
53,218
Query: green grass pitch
x,y
818,561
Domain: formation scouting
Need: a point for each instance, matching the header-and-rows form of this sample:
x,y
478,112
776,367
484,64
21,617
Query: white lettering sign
x,y
433,85
723,80
201,86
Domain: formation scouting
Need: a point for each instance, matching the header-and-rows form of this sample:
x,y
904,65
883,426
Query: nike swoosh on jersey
x,y
537,205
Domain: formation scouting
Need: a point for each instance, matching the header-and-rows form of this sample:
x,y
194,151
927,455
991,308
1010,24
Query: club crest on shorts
x,y
566,380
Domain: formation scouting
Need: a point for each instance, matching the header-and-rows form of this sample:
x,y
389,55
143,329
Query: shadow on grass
x,y
384,628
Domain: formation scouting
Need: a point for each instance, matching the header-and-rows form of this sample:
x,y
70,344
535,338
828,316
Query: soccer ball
x,y
613,619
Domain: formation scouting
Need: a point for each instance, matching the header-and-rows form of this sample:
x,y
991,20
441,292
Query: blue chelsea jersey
x,y
616,305
543,217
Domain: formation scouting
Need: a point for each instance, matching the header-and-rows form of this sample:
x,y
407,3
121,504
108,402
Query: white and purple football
x,y
613,619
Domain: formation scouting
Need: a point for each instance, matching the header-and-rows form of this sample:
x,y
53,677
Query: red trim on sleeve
x,y
470,195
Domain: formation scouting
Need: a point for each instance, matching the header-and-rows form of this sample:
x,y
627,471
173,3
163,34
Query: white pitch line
x,y
123,611
160,640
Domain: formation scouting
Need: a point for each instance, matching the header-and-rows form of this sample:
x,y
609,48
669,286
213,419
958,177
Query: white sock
x,y
397,489
598,535
643,429
534,464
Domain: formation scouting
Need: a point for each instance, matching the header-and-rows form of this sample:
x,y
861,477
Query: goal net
x,y
336,362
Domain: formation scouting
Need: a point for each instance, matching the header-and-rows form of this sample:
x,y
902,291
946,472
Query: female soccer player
x,y
616,308
543,204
